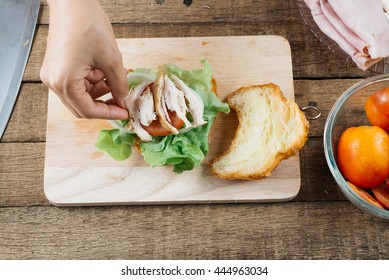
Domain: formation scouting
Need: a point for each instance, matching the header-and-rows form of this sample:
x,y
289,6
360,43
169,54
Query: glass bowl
x,y
349,111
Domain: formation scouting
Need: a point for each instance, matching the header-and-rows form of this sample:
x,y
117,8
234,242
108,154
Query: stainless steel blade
x,y
17,25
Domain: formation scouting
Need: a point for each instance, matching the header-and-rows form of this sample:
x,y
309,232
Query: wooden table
x,y
318,224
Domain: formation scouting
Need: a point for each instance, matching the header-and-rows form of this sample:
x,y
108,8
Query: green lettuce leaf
x,y
139,75
196,79
116,143
184,151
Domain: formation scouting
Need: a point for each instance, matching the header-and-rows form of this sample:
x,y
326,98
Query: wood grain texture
x,y
318,224
22,166
28,121
310,58
76,173
21,174
201,11
330,230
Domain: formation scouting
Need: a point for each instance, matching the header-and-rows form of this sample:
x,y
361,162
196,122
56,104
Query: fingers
x,y
80,90
97,89
95,75
110,101
79,95
97,86
116,78
70,108
86,107
75,51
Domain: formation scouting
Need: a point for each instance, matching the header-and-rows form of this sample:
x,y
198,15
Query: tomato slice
x,y
156,129
365,195
382,194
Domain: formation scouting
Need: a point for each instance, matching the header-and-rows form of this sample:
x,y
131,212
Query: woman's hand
x,y
82,60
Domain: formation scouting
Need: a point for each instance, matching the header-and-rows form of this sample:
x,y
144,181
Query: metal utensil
x,y
17,25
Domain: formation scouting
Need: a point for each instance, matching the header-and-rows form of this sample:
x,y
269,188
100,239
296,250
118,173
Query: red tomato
x,y
363,155
382,195
365,195
381,99
377,108
156,129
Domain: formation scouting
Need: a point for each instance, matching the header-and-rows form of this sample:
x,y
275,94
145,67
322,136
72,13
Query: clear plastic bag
x,y
380,67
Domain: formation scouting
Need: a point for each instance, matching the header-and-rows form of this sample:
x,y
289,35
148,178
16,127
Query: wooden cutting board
x,y
76,173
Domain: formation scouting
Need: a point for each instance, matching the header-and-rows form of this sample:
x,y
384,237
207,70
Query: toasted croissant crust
x,y
271,128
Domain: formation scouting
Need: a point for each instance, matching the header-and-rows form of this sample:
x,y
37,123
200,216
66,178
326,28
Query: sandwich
x,y
171,112
271,128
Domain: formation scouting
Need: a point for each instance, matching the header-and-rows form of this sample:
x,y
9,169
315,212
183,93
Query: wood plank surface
x,y
28,121
310,58
201,11
329,230
21,174
22,166
76,173
318,224
32,101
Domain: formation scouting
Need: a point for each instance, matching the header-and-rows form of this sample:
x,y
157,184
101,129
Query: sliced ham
x,y
359,27
367,19
385,3
341,28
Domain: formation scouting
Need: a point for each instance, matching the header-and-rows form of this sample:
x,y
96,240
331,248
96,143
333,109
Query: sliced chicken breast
x,y
167,96
132,102
195,103
175,100
146,107
160,104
